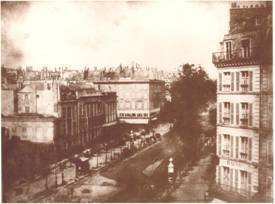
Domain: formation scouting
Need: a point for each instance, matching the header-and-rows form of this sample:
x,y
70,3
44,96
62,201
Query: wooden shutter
x,y
219,144
250,81
250,114
220,81
232,146
231,177
250,149
220,112
237,114
237,81
249,181
237,147
232,81
236,178
232,113
219,174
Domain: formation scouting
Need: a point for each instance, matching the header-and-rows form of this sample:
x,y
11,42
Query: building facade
x,y
244,102
139,101
8,99
84,113
31,127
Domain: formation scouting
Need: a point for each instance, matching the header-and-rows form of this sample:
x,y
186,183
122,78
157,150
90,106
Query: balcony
x,y
244,155
226,87
236,57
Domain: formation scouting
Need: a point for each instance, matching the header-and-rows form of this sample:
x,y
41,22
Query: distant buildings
x,y
59,107
67,115
139,101
244,104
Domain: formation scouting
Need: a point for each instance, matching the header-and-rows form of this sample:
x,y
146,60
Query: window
x,y
228,46
226,176
24,129
226,144
27,98
227,81
244,180
27,109
245,48
226,113
244,113
244,148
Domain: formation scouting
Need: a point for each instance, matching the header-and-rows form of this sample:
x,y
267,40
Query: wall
x,y
7,102
34,131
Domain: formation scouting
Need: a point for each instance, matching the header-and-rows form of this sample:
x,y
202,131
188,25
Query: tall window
x,y
244,148
244,114
27,100
226,113
244,180
244,81
227,81
226,176
226,144
228,46
246,48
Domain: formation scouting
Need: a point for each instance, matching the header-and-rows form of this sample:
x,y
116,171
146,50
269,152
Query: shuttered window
x,y
232,81
250,149
232,146
219,144
250,81
231,177
220,112
250,115
236,178
237,114
220,81
249,181
237,147
237,81
232,113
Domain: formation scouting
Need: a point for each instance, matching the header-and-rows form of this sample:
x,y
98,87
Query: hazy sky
x,y
161,34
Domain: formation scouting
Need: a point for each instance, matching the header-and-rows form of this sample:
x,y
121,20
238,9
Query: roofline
x,y
129,82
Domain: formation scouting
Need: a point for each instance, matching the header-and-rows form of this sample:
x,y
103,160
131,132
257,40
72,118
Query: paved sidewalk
x,y
194,185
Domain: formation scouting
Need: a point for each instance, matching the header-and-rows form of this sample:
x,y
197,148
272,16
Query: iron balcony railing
x,y
235,56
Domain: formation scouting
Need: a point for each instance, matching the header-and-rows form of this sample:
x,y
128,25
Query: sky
x,y
162,34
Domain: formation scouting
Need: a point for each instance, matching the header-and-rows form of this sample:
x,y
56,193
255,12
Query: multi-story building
x,y
84,113
39,97
244,103
139,101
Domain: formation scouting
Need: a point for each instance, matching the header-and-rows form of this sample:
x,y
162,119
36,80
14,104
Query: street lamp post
x,y
170,170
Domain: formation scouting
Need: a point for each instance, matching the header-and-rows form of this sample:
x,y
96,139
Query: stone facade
x,y
244,103
139,101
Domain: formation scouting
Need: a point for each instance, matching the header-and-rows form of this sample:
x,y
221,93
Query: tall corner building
x,y
244,104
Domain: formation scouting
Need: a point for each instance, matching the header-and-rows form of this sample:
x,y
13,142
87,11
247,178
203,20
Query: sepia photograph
x,y
151,101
